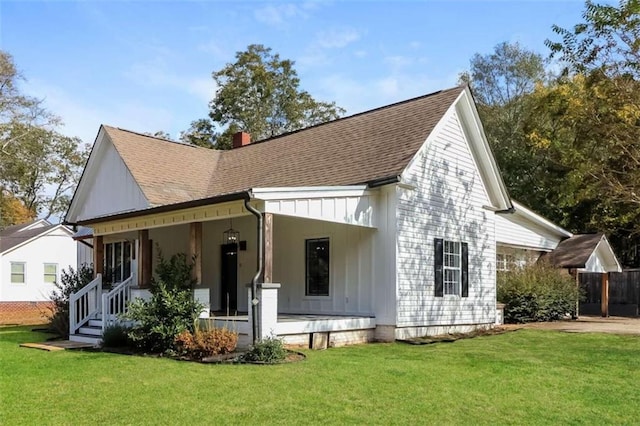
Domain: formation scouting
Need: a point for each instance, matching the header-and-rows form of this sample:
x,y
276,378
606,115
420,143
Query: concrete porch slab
x,y
59,345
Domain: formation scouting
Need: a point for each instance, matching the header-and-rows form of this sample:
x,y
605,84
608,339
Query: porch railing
x,y
115,302
85,304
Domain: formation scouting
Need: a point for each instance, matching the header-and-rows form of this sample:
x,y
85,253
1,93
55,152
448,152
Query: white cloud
x,y
336,38
277,15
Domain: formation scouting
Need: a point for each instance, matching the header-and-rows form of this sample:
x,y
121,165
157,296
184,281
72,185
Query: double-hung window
x,y
451,268
18,272
50,272
317,267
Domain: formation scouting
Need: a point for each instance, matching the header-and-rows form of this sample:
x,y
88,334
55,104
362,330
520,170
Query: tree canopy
x,y
259,94
38,165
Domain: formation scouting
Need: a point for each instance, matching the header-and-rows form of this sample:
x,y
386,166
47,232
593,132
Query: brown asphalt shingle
x,y
574,252
15,235
354,150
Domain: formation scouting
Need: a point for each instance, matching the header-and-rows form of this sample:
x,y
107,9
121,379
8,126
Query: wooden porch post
x,y
268,248
195,250
145,258
604,299
98,256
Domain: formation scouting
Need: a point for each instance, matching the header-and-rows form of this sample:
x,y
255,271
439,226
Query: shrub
x,y
116,336
536,293
205,343
71,281
170,310
269,350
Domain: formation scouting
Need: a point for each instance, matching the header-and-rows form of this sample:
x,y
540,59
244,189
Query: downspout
x,y
255,324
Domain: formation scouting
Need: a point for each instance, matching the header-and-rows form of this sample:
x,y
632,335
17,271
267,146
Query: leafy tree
x,y
160,134
38,165
502,83
202,133
259,93
13,211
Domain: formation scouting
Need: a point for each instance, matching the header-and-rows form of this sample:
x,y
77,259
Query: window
x,y
117,261
505,262
452,271
451,268
50,272
17,273
317,267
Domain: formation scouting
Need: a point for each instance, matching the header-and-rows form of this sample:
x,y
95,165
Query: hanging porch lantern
x,y
230,236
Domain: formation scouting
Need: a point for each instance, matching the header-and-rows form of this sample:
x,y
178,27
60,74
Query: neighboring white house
x,y
381,225
32,257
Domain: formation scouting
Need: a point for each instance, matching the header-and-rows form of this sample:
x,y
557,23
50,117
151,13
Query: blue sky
x,y
146,65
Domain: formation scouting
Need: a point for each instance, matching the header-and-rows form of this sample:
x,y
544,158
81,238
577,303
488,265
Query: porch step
x,y
85,338
91,330
95,323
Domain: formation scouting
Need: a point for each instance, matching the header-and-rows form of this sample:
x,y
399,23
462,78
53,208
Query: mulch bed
x,y
229,358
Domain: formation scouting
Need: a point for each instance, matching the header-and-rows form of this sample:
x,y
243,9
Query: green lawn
x,y
532,377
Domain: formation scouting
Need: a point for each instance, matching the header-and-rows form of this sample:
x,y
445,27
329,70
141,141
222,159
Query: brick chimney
x,y
241,139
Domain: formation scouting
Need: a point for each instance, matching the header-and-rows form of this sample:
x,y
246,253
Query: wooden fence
x,y
624,292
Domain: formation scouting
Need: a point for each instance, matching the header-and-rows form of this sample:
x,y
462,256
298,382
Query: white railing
x,y
115,302
85,304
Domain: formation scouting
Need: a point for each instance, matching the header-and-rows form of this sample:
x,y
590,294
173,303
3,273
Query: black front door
x,y
229,276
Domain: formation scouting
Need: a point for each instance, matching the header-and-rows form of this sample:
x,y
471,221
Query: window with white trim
x,y
50,272
452,268
317,267
18,272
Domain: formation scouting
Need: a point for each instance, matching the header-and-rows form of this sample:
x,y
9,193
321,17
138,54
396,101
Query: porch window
x,y
317,267
50,272
451,268
505,262
17,273
117,261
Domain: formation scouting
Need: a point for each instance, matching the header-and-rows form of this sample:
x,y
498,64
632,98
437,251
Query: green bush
x,y
71,281
116,336
170,310
270,350
536,293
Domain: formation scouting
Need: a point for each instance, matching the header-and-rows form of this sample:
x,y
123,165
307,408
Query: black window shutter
x,y
438,247
465,270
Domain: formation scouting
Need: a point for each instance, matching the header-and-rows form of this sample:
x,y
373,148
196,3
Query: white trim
x,y
24,272
24,243
604,247
539,220
289,193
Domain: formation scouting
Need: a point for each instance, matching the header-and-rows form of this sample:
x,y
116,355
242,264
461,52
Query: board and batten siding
x,y
514,230
112,189
351,250
446,202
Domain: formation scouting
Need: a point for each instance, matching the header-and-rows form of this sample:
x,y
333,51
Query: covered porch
x,y
317,244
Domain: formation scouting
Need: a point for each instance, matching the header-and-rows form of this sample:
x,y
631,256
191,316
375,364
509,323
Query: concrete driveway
x,y
592,324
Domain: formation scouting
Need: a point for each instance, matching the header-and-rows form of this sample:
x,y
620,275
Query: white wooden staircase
x,y
92,310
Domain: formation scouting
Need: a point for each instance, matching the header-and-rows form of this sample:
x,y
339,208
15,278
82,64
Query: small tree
x,y
71,281
171,309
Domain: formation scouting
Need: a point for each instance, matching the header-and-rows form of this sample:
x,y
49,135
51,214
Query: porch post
x,y
145,259
98,256
604,299
268,248
195,250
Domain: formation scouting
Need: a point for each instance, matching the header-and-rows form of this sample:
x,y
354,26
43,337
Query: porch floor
x,y
244,316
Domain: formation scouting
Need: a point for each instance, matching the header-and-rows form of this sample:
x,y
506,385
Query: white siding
x,y
346,210
85,252
56,247
447,203
351,250
513,229
111,189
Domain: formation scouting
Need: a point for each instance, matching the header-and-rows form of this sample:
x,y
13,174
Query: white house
x,y
381,225
32,257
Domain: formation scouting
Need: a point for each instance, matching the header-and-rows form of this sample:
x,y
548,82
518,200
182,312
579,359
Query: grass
x,y
524,377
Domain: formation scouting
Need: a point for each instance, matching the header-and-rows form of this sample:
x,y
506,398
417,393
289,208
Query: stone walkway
x,y
590,324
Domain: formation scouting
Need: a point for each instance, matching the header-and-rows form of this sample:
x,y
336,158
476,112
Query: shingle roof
x,y
354,150
574,252
10,238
